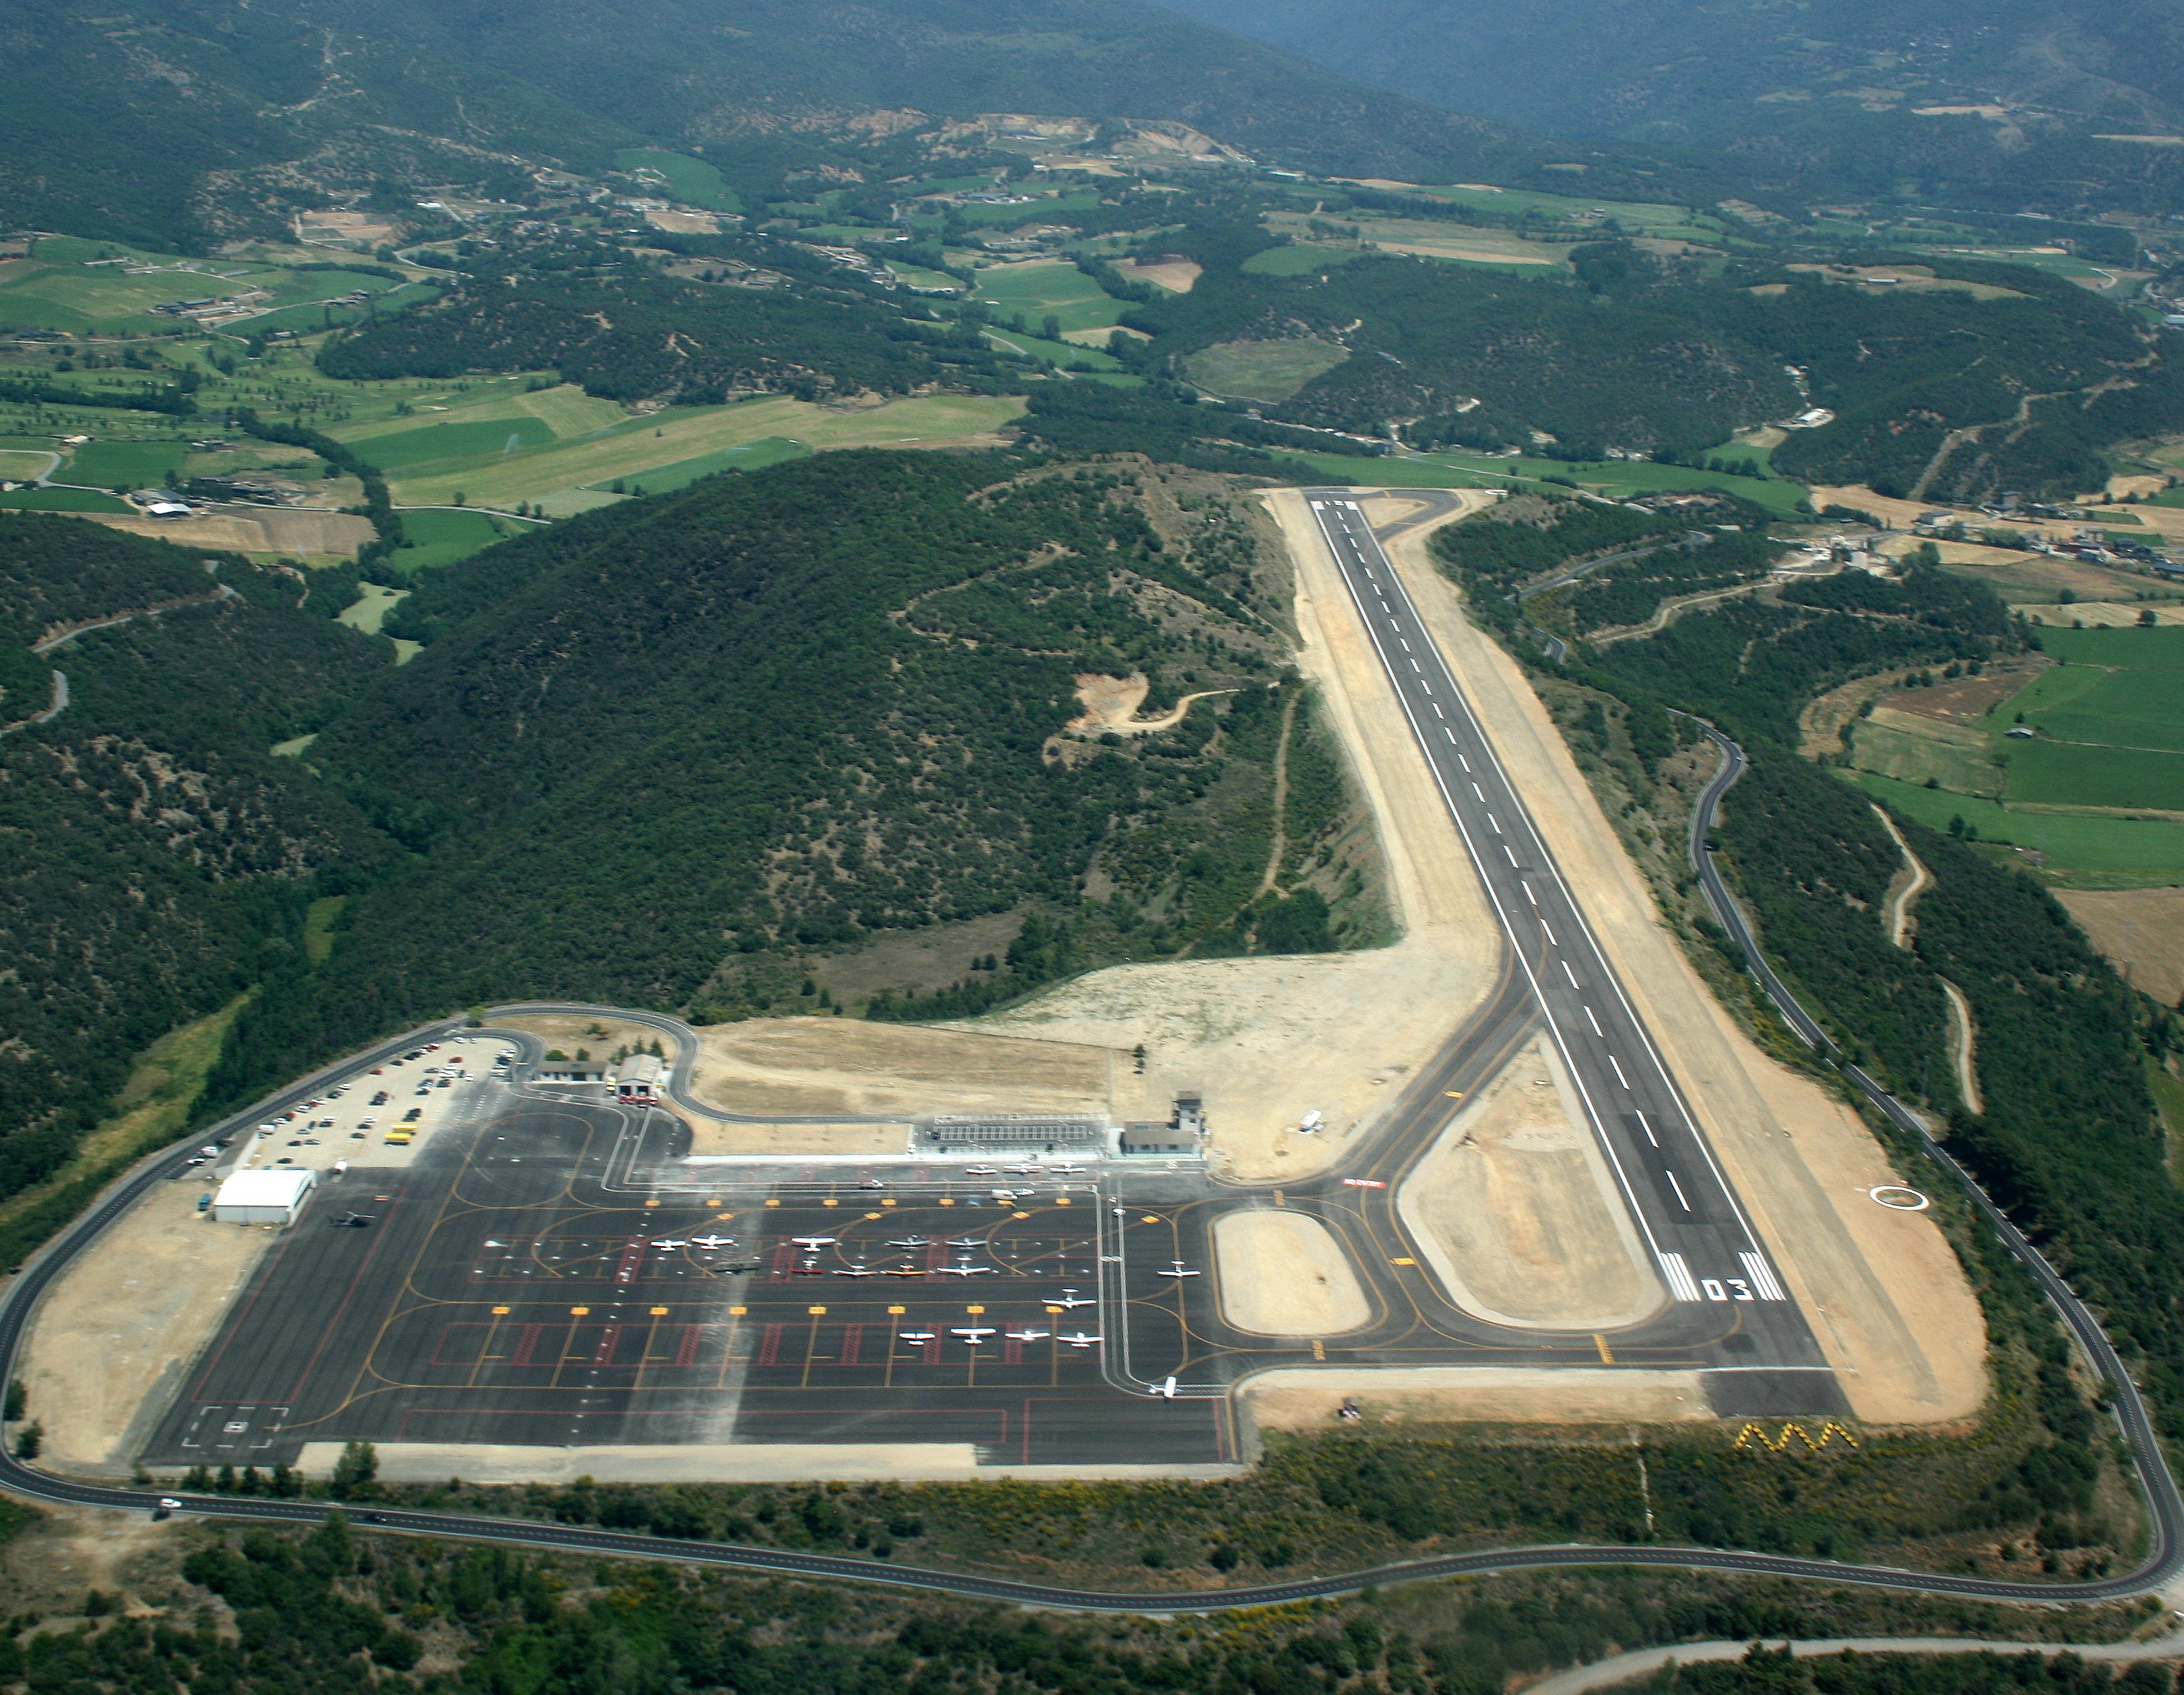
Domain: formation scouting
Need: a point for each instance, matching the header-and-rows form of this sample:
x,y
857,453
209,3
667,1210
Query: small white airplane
x,y
972,1334
911,1242
857,1270
814,1242
963,1270
709,1243
1081,1339
1166,1390
491,1243
1029,1336
965,1241
1069,1300
670,1243
1177,1269
915,1336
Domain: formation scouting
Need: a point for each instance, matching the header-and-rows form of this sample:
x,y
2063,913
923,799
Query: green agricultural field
x,y
1615,478
1916,750
124,464
444,537
918,276
453,442
62,500
661,479
2158,650
60,290
1068,355
691,181
2062,774
1633,217
2082,851
642,445
2124,709
1041,288
1298,257
1262,370
1008,217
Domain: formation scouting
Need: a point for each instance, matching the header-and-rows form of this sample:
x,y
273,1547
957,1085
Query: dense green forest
x,y
1773,1671
310,1611
654,753
1637,352
158,857
635,335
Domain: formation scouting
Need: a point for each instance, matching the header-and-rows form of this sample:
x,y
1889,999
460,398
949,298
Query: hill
x,y
1998,103
185,122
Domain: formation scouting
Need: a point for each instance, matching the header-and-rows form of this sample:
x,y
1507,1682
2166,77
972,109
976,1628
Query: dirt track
x,y
1887,1297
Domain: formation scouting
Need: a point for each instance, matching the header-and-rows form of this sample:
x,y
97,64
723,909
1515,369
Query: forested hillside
x,y
634,335
659,753
1826,98
157,855
1635,352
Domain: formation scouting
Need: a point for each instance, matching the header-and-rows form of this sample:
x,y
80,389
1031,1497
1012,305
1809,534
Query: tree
x,y
356,1467
31,1440
12,1408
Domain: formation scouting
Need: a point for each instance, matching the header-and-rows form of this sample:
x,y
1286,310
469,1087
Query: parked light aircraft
x,y
814,1242
973,1334
911,1242
1166,1390
671,1245
1177,1269
1070,1300
1080,1339
963,1270
709,1243
1029,1336
857,1270
965,1241
916,1335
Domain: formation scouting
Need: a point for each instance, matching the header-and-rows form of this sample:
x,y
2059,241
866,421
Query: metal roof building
x,y
263,1197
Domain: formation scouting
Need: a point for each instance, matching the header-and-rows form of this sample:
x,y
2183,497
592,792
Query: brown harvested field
x,y
1177,276
845,1067
1283,1274
127,1318
1886,1295
1305,1399
1516,1211
1967,700
1267,1040
274,530
2142,932
2106,614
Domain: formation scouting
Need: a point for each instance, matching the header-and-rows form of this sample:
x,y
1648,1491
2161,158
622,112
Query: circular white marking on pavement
x,y
1899,1199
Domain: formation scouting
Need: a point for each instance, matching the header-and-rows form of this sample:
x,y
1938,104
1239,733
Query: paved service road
x,y
1695,1229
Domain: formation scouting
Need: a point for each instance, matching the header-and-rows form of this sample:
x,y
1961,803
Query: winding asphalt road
x,y
2166,1511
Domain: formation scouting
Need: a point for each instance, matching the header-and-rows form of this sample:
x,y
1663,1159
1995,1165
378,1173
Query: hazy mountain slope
x,y
197,115
1811,94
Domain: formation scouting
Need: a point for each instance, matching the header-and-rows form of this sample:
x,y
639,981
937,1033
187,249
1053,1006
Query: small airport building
x,y
570,1071
263,1197
637,1079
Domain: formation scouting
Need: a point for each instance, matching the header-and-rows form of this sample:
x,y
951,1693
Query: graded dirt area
x,y
1177,276
2142,932
1301,1398
273,529
1887,1298
1269,1039
1283,1274
1515,1209
847,1067
126,1319
723,1463
1110,706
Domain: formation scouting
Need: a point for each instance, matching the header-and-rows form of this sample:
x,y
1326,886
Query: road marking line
x,y
1479,792
1648,1130
1491,819
1550,929
1763,1277
1461,760
1438,713
1414,665
1619,1077
1681,1284
1407,646
1527,888
1678,1187
1506,848
1570,974
1594,1022
1447,732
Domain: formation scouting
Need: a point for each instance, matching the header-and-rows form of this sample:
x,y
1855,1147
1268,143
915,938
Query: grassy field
x,y
444,537
2135,649
1614,478
1297,259
1632,217
1429,238
1040,288
62,500
691,181
2111,718
65,287
2040,580
2067,774
645,445
2082,851
1262,370
1067,355
1958,756
661,479
124,464
918,276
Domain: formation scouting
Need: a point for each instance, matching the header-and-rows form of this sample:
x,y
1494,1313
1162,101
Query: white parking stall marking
x,y
1678,1187
1681,1284
1619,1077
1763,1277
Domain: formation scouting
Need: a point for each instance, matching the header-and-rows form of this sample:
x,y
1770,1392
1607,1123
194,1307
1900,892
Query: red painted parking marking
x,y
933,1351
769,1344
687,1352
632,1261
852,1334
524,1347
603,1353
1012,1353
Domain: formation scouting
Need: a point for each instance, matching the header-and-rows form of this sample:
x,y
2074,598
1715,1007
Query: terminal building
x,y
263,1197
570,1071
1016,1133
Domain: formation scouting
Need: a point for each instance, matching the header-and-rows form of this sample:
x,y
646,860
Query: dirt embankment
x,y
1283,1274
1516,1211
1886,1295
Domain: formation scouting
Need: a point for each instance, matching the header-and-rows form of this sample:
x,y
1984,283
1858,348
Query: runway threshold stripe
x,y
1681,1284
1763,1277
